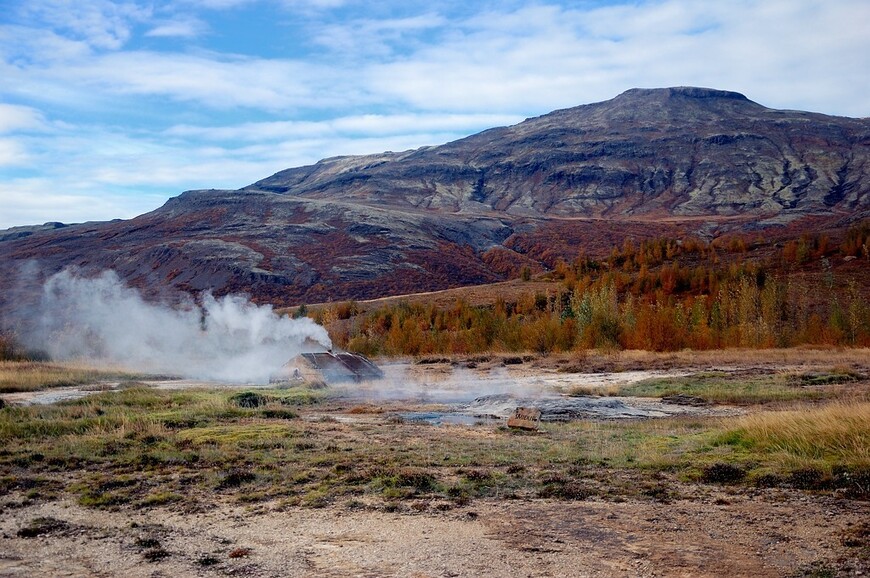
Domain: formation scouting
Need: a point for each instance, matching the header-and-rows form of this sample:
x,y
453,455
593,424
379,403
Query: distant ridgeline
x,y
671,163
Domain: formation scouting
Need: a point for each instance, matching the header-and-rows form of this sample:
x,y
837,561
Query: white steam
x,y
226,339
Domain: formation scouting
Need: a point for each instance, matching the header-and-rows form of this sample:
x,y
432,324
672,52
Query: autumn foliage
x,y
659,294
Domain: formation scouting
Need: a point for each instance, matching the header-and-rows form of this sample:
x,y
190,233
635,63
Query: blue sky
x,y
107,109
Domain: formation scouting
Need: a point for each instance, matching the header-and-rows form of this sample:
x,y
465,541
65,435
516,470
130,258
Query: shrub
x,y
723,473
249,399
563,488
234,478
41,526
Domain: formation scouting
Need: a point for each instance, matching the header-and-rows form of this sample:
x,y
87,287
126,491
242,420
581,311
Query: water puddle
x,y
47,397
448,418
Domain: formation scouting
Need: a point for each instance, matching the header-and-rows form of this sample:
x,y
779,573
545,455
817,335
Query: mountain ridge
x,y
579,150
676,161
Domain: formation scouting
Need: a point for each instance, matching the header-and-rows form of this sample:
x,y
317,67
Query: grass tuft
x,y
836,433
814,448
723,473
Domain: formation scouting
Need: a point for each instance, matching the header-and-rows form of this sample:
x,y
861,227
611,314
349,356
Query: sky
x,y
108,109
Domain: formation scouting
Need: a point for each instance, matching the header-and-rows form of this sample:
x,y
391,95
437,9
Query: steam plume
x,y
227,339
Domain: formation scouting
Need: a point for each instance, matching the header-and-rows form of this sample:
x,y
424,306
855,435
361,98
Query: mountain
x,y
661,152
673,161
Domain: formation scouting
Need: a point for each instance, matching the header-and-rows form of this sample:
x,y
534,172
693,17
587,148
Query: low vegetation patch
x,y
723,473
149,448
249,399
41,527
835,376
720,387
18,376
818,448
838,432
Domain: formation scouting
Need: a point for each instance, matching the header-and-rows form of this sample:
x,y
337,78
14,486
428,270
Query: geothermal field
x,y
539,288
322,463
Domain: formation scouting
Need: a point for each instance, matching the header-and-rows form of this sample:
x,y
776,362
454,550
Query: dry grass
x,y
475,295
33,375
797,356
836,433
146,447
595,390
591,360
720,387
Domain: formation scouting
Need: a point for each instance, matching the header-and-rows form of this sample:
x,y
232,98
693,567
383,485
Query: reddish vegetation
x,y
560,239
659,294
510,263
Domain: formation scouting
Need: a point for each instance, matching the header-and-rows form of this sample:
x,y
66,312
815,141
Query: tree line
x,y
659,294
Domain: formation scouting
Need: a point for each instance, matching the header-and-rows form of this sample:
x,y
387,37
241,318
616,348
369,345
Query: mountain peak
x,y
682,91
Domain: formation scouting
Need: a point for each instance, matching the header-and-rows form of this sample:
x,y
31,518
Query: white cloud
x,y
307,6
185,27
216,4
368,38
543,57
100,23
368,125
16,117
316,4
525,61
23,48
212,80
12,153
39,200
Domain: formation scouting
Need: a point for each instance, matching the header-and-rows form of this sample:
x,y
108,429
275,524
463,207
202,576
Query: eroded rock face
x,y
648,162
676,151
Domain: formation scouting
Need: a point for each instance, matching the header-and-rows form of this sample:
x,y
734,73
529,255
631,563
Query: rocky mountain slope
x,y
675,151
671,161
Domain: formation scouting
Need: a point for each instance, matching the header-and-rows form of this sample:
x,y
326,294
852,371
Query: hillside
x,y
649,163
646,153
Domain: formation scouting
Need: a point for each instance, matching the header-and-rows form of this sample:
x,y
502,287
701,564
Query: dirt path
x,y
712,533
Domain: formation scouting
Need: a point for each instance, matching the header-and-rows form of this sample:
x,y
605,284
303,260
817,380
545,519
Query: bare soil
x,y
707,531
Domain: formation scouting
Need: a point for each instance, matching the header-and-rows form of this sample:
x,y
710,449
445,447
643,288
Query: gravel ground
x,y
706,532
